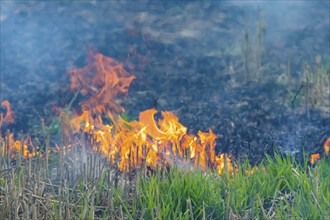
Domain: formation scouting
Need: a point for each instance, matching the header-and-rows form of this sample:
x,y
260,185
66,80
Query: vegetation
x,y
78,183
84,185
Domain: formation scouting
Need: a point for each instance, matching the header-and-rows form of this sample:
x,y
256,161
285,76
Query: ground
x,y
259,79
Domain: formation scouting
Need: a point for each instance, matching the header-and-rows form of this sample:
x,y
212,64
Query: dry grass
x,y
83,185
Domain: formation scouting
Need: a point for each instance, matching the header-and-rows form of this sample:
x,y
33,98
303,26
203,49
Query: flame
x,y
251,171
207,147
129,144
9,118
327,147
22,146
103,80
224,163
314,158
15,146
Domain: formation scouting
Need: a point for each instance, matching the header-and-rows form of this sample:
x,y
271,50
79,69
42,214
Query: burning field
x,y
99,126
105,159
165,127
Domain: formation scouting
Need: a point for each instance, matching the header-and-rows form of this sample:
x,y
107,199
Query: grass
x,y
83,185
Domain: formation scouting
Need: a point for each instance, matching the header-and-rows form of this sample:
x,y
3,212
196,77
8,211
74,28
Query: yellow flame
x,y
314,158
327,147
127,143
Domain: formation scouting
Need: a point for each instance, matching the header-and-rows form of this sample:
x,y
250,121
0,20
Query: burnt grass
x,y
201,60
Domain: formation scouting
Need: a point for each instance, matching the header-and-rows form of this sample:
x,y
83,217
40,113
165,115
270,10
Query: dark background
x,y
188,57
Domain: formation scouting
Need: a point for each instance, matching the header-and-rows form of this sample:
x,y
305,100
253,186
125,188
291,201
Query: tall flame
x,y
129,144
102,80
146,139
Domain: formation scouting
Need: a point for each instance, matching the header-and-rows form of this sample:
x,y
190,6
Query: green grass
x,y
91,188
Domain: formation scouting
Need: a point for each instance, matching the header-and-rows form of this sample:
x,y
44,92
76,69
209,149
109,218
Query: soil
x,y
218,65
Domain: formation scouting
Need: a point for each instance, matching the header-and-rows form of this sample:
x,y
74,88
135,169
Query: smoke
x,y
42,40
49,37
293,25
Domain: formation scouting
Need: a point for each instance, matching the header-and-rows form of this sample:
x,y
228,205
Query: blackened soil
x,y
188,57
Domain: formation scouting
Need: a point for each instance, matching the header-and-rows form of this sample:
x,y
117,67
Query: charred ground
x,y
216,65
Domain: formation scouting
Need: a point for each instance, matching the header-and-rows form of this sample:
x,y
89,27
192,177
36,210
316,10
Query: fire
x,y
251,171
103,80
129,144
9,118
15,146
327,147
23,147
223,163
314,158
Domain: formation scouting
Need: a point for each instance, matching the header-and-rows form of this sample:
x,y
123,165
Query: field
x,y
164,110
83,185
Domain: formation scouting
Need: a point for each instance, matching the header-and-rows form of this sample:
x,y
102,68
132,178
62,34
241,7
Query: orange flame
x,y
314,158
22,146
9,118
251,171
327,147
128,143
103,79
131,143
